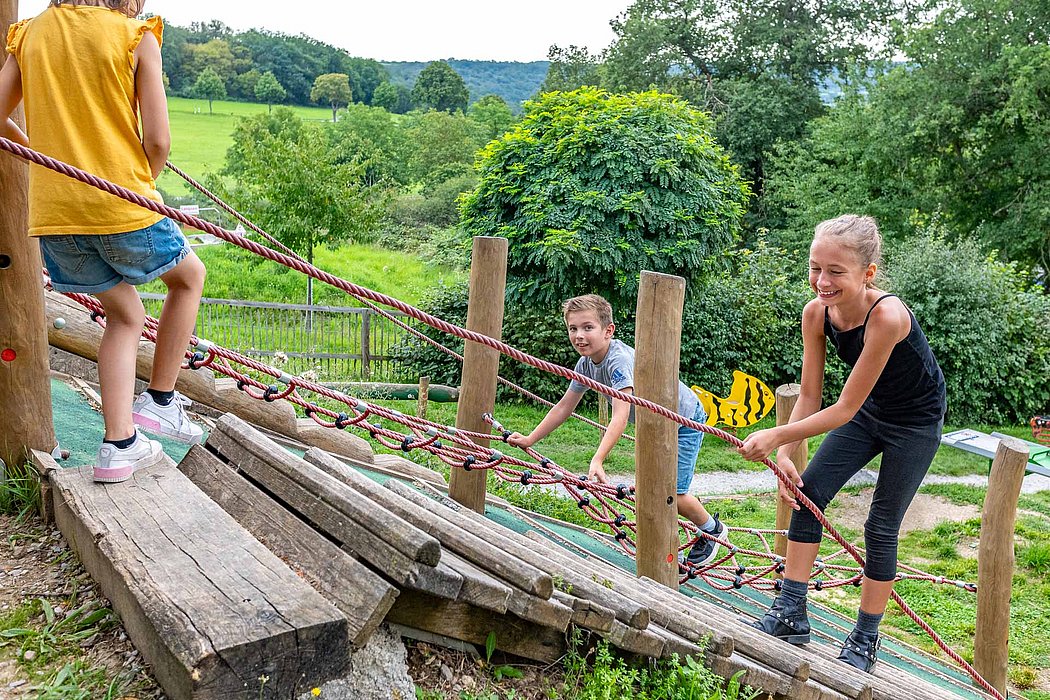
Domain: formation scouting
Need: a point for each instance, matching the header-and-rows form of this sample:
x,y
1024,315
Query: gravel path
x,y
712,483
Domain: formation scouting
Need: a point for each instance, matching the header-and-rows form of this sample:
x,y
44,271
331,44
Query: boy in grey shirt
x,y
610,362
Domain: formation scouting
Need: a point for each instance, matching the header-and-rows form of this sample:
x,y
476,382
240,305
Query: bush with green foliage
x,y
988,326
590,188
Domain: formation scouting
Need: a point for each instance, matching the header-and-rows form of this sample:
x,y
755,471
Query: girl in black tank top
x,y
892,404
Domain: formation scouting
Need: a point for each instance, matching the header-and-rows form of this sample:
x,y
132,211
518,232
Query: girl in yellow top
x,y
88,72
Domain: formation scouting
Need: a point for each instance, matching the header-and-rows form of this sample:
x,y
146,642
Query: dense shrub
x,y
987,325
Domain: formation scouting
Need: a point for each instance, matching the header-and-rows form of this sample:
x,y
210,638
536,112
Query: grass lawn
x,y
199,139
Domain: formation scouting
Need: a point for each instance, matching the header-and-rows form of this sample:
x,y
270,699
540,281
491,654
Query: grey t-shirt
x,y
617,371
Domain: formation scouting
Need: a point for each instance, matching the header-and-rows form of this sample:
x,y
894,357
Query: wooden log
x,y
658,336
996,562
408,469
362,595
644,642
587,613
488,283
565,570
748,641
470,624
787,397
886,683
689,626
208,606
755,674
340,442
43,464
675,645
479,587
546,612
519,574
341,511
25,380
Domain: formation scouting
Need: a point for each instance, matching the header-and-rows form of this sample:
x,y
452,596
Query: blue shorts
x,y
93,264
689,442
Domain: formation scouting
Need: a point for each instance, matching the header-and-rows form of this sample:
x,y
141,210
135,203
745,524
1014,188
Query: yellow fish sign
x,y
748,402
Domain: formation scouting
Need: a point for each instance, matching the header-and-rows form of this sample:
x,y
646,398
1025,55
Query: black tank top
x,y
910,390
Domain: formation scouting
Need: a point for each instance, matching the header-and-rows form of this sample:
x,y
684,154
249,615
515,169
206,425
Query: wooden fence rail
x,y
336,343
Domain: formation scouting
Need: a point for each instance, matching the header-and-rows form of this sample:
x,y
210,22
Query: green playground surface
x,y
79,429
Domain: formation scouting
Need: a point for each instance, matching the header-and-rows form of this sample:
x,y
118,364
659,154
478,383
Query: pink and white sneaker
x,y
116,464
170,421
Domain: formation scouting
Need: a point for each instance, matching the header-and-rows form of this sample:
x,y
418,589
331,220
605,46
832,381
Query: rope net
x,y
606,504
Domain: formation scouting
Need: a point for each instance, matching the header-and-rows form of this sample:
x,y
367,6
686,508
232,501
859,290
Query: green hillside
x,y
513,81
199,140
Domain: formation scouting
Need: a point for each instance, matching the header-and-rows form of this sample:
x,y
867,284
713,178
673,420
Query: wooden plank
x,y
519,574
408,468
207,605
644,642
362,595
479,587
623,584
340,442
549,613
587,613
675,645
470,624
755,674
341,511
565,570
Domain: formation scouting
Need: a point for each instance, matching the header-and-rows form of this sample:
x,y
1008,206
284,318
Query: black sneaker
x,y
787,623
705,550
861,650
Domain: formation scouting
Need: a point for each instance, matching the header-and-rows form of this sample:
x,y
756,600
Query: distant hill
x,y
514,82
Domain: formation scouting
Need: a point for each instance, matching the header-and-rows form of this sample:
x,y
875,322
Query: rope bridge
x,y
456,447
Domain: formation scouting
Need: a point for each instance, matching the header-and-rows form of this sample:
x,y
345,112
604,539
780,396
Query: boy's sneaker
x,y
170,421
116,464
705,550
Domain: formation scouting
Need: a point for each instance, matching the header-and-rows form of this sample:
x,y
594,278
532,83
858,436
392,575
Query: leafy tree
x,y
333,88
269,90
711,51
372,137
440,87
292,184
396,99
443,145
209,86
958,130
592,188
570,68
243,84
215,55
493,115
366,75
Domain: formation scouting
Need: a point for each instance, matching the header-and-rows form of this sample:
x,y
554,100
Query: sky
x,y
410,30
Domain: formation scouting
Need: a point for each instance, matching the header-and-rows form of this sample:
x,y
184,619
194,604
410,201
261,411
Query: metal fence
x,y
335,343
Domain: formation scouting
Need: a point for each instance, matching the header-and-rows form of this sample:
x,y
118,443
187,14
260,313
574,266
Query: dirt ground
x,y
925,512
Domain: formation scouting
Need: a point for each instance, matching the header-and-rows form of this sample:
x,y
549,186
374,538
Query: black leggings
x,y
907,451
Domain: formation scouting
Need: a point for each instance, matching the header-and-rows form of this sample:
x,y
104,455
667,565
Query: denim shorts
x,y
689,441
91,264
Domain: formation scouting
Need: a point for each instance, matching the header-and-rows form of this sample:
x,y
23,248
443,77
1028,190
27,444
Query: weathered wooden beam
x,y
587,613
565,570
362,595
408,468
786,398
341,511
208,606
471,624
469,546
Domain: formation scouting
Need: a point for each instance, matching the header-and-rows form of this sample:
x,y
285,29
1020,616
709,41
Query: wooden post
x,y
603,410
658,339
25,382
366,344
995,569
424,396
488,284
787,396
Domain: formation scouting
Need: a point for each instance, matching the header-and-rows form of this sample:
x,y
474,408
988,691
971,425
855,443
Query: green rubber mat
x,y
79,429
